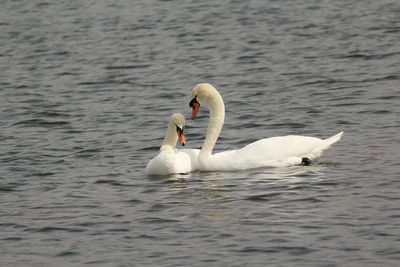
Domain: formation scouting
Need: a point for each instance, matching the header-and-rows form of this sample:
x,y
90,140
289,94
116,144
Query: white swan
x,y
270,152
171,160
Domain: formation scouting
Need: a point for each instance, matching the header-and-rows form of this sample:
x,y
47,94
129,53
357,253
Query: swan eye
x,y
194,100
179,129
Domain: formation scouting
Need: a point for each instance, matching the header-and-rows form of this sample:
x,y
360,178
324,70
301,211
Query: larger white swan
x,y
270,152
171,160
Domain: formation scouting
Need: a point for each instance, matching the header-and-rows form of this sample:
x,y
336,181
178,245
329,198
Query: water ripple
x,y
87,88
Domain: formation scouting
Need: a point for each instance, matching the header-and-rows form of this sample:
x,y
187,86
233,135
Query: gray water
x,y
87,89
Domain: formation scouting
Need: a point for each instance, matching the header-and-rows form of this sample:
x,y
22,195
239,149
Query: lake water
x,y
86,92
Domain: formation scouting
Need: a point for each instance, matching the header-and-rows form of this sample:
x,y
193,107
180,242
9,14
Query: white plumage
x,y
171,160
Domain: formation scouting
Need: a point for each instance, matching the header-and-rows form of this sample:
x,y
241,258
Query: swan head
x,y
178,121
200,94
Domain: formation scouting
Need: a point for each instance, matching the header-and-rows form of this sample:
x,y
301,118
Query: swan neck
x,y
217,116
170,138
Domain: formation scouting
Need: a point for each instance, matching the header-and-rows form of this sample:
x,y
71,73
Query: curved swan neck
x,y
217,116
170,138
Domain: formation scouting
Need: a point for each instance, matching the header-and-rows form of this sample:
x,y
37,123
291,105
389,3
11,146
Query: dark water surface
x,y
86,91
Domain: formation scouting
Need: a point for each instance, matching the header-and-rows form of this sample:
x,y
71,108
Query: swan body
x,y
171,160
277,151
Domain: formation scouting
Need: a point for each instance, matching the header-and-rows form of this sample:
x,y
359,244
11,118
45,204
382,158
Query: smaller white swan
x,y
171,160
277,151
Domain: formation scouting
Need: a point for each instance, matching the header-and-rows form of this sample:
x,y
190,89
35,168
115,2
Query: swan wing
x,y
162,164
277,151
173,161
283,147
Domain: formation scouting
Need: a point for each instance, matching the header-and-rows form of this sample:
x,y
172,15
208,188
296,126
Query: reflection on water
x,y
213,196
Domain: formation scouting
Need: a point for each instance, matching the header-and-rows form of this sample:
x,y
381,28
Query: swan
x,y
170,160
280,151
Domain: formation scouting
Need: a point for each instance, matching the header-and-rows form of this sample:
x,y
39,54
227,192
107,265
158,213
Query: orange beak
x,y
195,110
181,137
195,107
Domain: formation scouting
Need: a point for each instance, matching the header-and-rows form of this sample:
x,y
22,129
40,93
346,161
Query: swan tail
x,y
331,140
326,144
